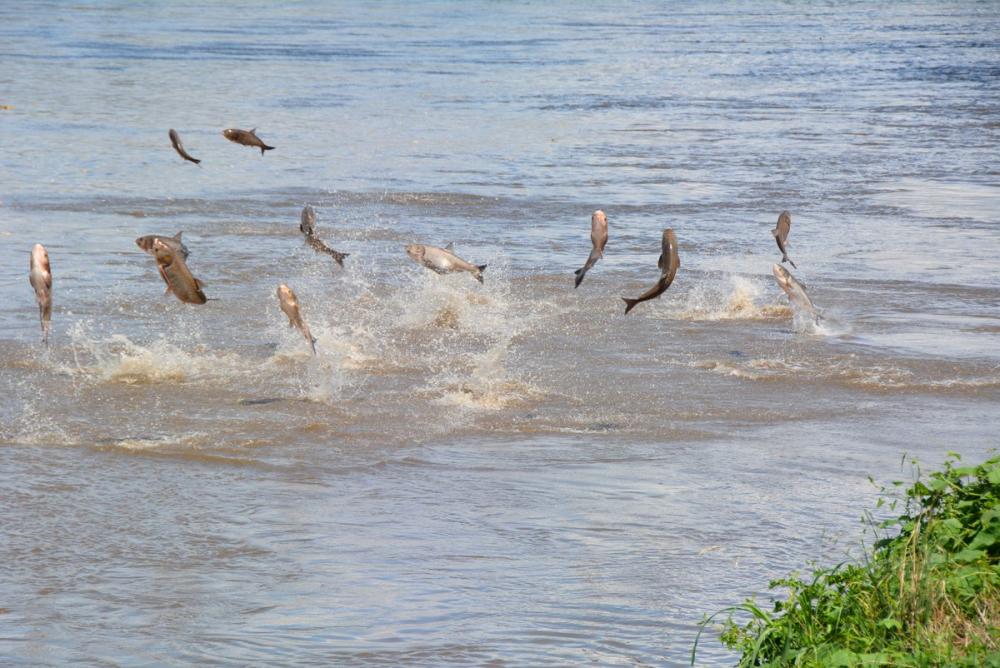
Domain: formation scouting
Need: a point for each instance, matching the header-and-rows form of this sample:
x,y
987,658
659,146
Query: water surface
x,y
511,473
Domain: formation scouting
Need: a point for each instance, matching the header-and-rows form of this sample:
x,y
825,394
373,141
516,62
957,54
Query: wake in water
x,y
729,297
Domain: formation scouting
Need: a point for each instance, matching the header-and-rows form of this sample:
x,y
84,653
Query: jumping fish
x,y
40,277
247,138
307,226
780,233
598,239
175,139
668,264
796,291
290,305
443,260
176,275
174,243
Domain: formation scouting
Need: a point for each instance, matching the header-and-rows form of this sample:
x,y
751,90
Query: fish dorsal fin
x,y
253,131
178,236
199,284
450,247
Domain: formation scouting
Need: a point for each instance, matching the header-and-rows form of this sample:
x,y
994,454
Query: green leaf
x,y
968,556
842,657
890,623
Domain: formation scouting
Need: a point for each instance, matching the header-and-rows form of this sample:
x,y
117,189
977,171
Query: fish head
x,y
229,133
284,292
39,258
145,243
415,251
782,275
308,221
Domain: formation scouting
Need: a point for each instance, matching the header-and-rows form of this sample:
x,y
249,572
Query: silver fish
x,y
598,240
290,305
177,276
796,291
246,138
307,225
175,139
40,277
443,260
780,233
668,263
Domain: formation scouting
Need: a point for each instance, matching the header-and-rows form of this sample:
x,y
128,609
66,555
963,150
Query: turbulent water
x,y
512,473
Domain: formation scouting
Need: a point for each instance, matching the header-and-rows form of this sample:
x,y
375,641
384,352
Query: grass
x,y
926,594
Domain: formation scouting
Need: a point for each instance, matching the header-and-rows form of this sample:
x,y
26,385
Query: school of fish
x,y
171,255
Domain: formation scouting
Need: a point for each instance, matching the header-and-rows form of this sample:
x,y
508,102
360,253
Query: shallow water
x,y
511,473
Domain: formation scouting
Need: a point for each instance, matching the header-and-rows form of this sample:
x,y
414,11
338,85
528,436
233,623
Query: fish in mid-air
x,y
307,225
668,263
290,305
175,139
176,274
796,291
40,277
780,233
443,260
174,243
598,240
246,138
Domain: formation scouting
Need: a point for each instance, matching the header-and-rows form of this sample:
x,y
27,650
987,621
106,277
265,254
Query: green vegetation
x,y
928,593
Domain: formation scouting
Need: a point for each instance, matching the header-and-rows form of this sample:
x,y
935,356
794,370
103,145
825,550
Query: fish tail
x,y
479,274
629,304
789,261
196,161
265,147
339,258
580,273
312,343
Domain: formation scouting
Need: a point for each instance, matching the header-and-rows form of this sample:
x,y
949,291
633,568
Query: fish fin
x,y
196,161
253,131
178,235
629,304
580,273
199,283
479,274
167,291
450,247
789,261
265,147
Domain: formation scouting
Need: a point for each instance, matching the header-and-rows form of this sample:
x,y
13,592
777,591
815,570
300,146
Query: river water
x,y
512,473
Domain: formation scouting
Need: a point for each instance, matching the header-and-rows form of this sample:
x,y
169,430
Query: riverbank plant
x,y
926,594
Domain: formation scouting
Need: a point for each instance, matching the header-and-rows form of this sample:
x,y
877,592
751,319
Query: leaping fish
x,y
175,139
246,138
307,225
668,263
290,305
780,233
176,275
40,277
796,291
443,260
598,240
